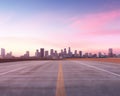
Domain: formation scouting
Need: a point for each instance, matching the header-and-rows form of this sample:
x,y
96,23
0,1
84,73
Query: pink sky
x,y
91,31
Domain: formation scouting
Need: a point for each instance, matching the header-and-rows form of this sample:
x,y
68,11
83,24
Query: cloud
x,y
96,23
105,32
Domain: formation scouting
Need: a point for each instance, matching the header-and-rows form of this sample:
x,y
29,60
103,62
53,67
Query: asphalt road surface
x,y
59,78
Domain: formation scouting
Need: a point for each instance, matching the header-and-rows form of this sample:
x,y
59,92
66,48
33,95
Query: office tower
x,y
37,54
75,53
27,53
80,54
61,51
42,52
65,52
46,54
51,52
56,54
110,52
69,50
2,52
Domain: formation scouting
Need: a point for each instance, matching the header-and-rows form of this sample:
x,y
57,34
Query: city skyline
x,y
63,53
88,25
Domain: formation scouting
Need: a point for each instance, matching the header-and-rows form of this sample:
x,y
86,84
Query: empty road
x,y
59,78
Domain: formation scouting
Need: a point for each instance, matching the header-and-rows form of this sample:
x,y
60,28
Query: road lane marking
x,y
60,89
115,74
12,70
18,69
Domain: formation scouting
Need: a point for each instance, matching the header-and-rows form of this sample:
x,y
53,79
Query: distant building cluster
x,y
64,53
5,55
67,53
26,55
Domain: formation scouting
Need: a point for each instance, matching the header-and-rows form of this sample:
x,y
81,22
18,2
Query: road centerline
x,y
60,88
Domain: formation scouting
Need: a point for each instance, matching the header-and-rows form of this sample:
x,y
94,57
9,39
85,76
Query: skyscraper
x,y
65,52
110,52
75,53
37,54
42,52
80,54
27,53
2,52
56,54
62,51
46,54
69,52
51,52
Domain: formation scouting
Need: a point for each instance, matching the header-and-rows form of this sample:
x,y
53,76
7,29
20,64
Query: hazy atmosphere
x,y
81,24
59,47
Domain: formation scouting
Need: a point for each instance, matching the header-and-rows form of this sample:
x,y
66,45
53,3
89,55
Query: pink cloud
x,y
99,33
105,32
92,22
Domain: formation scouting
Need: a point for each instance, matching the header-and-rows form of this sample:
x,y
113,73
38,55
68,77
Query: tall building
x,y
2,52
75,53
62,51
69,50
80,54
27,53
51,52
46,54
42,52
110,52
65,51
37,54
56,54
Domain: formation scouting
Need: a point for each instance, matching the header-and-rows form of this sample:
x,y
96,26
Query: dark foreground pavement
x,y
59,78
